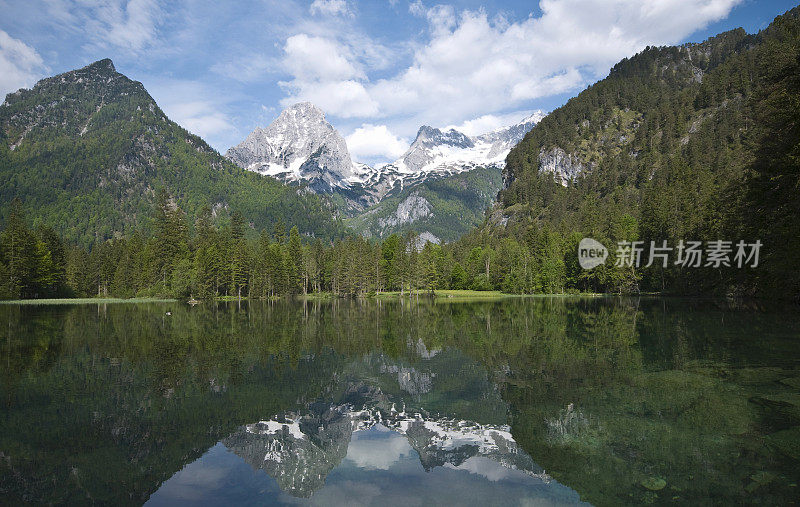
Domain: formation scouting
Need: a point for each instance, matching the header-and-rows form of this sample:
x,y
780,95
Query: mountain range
x,y
302,147
695,142
88,151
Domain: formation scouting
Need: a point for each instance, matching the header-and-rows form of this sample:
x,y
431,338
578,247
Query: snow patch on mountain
x,y
300,457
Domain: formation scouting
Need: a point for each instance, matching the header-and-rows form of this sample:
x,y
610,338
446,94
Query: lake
x,y
514,401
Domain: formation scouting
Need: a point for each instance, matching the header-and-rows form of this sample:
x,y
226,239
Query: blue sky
x,y
378,68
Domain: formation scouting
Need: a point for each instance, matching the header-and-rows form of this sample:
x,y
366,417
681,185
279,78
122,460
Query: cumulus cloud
x,y
316,58
474,65
370,142
20,64
326,73
345,99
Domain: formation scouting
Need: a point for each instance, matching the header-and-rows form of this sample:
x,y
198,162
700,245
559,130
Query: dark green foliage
x,y
770,205
31,264
698,142
89,151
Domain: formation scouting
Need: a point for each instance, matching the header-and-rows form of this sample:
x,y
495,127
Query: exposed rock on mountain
x,y
411,209
439,209
437,153
299,146
562,166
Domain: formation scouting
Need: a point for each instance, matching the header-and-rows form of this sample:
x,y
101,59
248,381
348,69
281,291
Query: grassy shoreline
x,y
438,295
84,301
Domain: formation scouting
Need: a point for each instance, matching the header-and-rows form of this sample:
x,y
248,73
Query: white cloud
x,y
474,65
316,58
345,99
328,74
370,142
20,64
489,122
127,24
330,8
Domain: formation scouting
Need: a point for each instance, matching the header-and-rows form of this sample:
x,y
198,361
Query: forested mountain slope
x,y
697,142
87,152
440,210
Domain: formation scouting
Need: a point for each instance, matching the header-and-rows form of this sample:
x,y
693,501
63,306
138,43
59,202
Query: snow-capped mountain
x,y
299,146
302,147
436,153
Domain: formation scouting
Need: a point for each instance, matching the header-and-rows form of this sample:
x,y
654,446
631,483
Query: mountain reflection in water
x,y
529,400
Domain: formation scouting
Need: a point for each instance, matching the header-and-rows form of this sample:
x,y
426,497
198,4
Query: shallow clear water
x,y
517,401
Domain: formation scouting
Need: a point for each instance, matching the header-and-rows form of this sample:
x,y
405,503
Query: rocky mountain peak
x,y
453,151
302,111
104,65
299,145
429,136
71,103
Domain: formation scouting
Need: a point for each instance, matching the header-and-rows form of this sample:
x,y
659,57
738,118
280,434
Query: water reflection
x,y
620,400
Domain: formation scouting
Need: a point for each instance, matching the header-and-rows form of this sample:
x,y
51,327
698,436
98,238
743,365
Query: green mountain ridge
x,y
695,142
87,151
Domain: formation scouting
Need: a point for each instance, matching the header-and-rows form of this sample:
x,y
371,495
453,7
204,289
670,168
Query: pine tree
x,y
295,258
239,255
17,250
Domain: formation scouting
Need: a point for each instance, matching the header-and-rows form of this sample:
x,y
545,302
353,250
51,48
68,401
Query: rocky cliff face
x,y
563,166
300,145
437,153
412,208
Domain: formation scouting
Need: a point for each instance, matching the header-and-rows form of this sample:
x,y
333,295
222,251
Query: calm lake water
x,y
521,401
